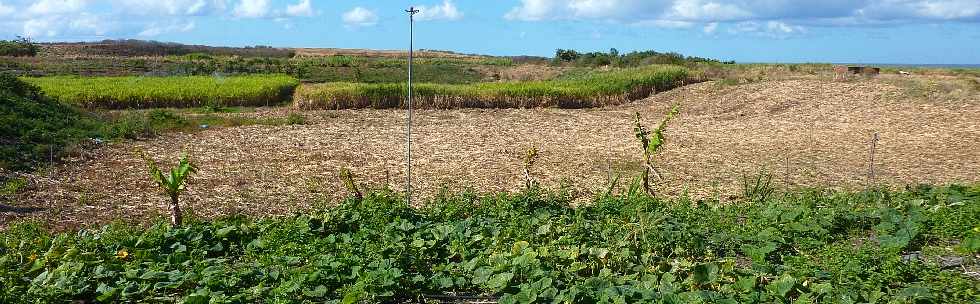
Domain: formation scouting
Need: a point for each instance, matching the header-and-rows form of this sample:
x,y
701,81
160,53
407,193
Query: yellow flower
x,y
122,254
32,257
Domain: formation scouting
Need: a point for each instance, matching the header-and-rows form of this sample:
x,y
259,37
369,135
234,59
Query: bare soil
x,y
806,132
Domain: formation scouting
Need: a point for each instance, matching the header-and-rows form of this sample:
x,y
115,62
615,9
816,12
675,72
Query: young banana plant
x,y
651,142
529,158
173,184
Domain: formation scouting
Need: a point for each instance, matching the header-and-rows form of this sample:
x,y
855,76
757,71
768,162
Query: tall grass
x,y
177,92
583,91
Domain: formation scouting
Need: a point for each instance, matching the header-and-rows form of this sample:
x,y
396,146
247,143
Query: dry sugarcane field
x,y
144,171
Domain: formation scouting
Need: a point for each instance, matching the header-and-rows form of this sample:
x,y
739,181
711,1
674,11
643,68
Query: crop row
x,y
586,91
157,92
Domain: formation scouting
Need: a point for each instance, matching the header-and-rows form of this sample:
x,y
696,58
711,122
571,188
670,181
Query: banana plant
x,y
173,184
652,141
529,158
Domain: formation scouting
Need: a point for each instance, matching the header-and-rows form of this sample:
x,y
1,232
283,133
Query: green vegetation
x,y
651,145
632,59
135,48
157,92
36,130
802,247
307,69
173,184
20,47
581,91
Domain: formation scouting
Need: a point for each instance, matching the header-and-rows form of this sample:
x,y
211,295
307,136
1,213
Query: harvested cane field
x,y
588,91
767,197
809,132
161,92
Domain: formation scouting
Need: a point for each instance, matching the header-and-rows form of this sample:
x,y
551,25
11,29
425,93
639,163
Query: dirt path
x,y
806,132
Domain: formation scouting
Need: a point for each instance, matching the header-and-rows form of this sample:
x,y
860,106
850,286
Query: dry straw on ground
x,y
807,132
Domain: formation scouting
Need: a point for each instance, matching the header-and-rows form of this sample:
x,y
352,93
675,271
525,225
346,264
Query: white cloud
x,y
446,11
303,8
699,10
360,17
772,29
174,7
42,27
252,9
80,25
710,28
173,27
824,12
667,24
53,7
5,10
631,10
783,28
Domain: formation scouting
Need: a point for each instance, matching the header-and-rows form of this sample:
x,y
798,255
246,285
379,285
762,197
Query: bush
x,y
632,59
20,47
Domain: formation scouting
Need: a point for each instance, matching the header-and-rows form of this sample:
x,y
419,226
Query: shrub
x,y
20,47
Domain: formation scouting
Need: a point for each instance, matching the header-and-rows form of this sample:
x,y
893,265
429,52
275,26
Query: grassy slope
x,y
36,130
804,247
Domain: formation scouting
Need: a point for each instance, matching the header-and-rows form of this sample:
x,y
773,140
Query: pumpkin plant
x,y
173,184
651,141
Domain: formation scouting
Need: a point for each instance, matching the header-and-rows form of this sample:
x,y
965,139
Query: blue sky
x,y
871,31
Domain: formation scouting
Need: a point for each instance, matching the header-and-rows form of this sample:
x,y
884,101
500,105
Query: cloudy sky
x,y
873,31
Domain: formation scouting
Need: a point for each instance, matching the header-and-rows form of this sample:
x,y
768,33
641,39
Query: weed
x,y
295,119
758,188
347,179
12,185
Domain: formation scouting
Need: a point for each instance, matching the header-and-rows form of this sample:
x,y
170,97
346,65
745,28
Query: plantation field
x,y
585,91
159,92
915,246
807,132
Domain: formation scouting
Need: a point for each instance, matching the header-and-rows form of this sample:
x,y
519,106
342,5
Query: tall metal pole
x,y
408,136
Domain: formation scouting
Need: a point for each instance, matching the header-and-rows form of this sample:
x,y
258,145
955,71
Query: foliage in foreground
x,y
587,91
160,92
805,247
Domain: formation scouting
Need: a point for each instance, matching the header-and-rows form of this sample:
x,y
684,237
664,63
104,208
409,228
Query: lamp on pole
x,y
408,133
